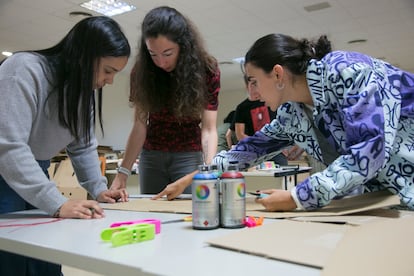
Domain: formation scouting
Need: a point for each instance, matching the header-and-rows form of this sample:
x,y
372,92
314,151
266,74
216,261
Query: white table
x,y
177,250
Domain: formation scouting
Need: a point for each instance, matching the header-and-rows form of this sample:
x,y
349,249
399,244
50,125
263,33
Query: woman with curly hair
x,y
174,90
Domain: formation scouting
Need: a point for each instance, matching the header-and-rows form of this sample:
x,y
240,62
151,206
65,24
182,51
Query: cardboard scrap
x,y
182,206
344,206
302,240
383,248
66,180
305,243
365,202
377,247
357,218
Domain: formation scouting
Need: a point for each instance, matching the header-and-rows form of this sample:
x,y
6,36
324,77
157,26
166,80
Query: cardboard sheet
x,y
305,243
344,206
302,240
376,247
357,218
383,248
182,206
66,180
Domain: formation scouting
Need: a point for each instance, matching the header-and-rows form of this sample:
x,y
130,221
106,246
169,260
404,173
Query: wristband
x,y
124,171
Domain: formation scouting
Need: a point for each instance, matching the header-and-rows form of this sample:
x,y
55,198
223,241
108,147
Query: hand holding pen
x,y
276,200
258,194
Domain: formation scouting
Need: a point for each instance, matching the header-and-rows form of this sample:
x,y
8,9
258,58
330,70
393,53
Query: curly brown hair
x,y
183,91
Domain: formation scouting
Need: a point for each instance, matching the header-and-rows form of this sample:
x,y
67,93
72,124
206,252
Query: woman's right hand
x,y
81,209
176,188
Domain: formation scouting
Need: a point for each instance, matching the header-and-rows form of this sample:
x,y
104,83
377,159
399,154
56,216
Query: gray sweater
x,y
30,131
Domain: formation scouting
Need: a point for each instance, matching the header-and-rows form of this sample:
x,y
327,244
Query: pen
x,y
259,195
185,219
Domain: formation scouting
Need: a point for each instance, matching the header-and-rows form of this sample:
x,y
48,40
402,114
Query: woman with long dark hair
x,y
48,104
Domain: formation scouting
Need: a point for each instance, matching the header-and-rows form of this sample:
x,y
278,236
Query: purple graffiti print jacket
x,y
364,110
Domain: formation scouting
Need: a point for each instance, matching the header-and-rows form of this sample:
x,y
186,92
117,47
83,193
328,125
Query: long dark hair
x,y
73,61
184,90
284,50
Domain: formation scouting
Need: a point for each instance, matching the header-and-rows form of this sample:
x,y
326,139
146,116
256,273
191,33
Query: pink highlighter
x,y
156,222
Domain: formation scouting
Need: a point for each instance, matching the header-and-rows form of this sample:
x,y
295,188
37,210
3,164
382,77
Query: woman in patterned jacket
x,y
353,112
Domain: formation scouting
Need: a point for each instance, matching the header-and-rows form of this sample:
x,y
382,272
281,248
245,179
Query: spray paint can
x,y
214,169
205,200
233,192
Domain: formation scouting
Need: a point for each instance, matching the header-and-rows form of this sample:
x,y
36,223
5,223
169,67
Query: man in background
x,y
251,115
226,137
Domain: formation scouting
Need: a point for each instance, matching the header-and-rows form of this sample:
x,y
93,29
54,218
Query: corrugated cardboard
x,y
66,181
375,247
379,249
344,206
306,243
365,202
182,206
357,218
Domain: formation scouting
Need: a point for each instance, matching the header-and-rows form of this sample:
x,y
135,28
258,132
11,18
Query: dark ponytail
x,y
282,49
322,47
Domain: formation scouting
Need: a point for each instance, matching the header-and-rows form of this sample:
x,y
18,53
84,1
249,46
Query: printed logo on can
x,y
202,192
241,190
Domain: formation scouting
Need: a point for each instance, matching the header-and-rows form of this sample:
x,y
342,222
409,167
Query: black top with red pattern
x,y
166,133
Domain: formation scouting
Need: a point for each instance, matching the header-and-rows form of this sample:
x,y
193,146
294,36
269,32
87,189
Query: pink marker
x,y
156,222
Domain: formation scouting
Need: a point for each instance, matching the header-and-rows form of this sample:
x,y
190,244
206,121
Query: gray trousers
x,y
157,169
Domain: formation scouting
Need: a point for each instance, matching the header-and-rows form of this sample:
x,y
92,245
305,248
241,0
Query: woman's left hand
x,y
277,200
293,153
112,196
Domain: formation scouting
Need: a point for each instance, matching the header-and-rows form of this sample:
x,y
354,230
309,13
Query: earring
x,y
280,86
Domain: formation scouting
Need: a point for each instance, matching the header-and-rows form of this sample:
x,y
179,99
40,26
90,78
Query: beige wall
x,y
228,100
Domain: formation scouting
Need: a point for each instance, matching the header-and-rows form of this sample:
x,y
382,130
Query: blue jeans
x,y
12,264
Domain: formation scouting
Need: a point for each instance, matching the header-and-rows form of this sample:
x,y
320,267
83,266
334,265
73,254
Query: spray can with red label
x,y
233,193
205,199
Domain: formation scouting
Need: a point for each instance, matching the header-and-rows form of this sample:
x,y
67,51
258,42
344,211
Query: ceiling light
x,y
357,41
108,7
225,62
80,13
239,60
6,53
317,6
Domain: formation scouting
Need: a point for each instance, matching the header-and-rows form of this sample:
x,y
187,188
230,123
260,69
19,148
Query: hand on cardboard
x,y
278,200
176,188
83,209
112,196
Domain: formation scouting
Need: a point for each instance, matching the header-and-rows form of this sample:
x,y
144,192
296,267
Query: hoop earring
x,y
280,86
